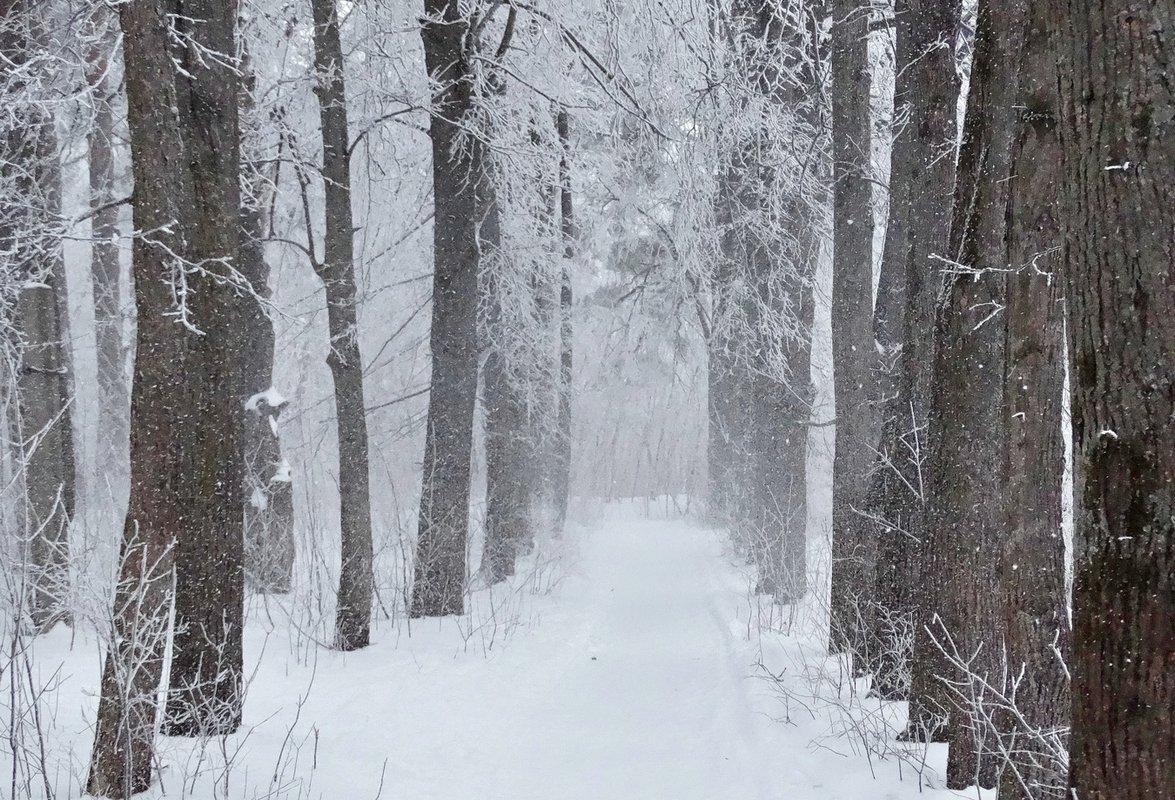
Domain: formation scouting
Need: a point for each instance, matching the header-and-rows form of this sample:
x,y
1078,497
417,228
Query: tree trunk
x,y
269,490
204,694
956,634
459,180
561,482
337,271
921,181
105,262
509,445
1117,191
1032,561
854,352
185,484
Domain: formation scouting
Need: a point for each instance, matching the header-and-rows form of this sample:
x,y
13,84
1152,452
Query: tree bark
x,y
105,263
459,181
1031,565
31,238
337,271
185,498
956,630
1117,191
204,690
921,182
854,352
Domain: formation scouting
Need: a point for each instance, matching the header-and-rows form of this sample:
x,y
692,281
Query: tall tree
x,y
185,501
1031,560
854,352
955,635
31,236
337,272
269,490
204,694
921,182
460,181
1116,194
760,327
105,263
561,480
509,441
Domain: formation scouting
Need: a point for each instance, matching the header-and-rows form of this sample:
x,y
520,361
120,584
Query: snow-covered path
x,y
637,684
633,680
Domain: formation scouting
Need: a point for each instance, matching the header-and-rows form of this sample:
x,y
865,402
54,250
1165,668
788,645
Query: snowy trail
x,y
651,704
634,683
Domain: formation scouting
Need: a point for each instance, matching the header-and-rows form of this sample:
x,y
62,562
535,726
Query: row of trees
x,y
210,502
1024,240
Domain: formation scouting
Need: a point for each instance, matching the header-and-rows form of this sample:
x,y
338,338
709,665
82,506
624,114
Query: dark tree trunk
x,y
1117,192
921,182
957,630
204,695
185,481
269,490
854,352
30,237
337,271
1032,559
459,180
561,481
105,263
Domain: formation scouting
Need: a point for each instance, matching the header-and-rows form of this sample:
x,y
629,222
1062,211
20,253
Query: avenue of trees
x,y
520,217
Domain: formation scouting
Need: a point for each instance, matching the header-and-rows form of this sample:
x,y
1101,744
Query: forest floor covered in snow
x,y
639,667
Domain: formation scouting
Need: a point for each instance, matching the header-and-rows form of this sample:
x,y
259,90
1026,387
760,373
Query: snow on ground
x,y
639,677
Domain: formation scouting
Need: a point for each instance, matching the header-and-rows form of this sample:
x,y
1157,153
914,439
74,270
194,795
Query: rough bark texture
x,y
459,178
337,271
105,263
183,490
204,694
30,238
1031,560
921,182
957,629
561,481
1117,192
854,352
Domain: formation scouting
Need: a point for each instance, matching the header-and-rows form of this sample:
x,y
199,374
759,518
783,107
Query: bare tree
x,y
561,466
921,181
31,236
337,271
760,325
269,489
854,352
204,690
1031,562
460,181
966,435
1118,160
185,482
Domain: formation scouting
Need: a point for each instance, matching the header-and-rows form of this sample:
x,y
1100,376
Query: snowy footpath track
x,y
634,680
